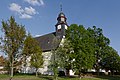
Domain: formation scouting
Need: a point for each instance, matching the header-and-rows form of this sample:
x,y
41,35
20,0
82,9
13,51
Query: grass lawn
x,y
32,77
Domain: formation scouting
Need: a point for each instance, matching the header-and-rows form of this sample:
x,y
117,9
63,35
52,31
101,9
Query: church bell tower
x,y
61,25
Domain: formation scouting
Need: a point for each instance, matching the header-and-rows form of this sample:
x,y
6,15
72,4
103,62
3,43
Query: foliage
x,y
28,49
64,56
29,45
84,49
37,59
81,42
32,49
111,60
54,61
12,41
2,61
100,42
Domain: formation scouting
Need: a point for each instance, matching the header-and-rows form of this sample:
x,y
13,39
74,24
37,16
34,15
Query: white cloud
x,y
25,16
15,7
35,2
30,10
26,13
41,2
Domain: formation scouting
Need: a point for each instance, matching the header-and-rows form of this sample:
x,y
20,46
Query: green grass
x,y
32,77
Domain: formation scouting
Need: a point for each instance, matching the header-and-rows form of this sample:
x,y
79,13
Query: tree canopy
x,y
81,42
12,41
85,49
33,50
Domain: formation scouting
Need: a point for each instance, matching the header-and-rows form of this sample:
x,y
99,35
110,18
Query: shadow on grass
x,y
109,77
62,77
46,77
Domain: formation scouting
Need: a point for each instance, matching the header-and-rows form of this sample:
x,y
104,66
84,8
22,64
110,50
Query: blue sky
x,y
39,16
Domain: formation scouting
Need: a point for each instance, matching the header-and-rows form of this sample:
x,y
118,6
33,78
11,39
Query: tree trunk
x,y
67,73
11,70
36,72
97,68
98,72
80,74
55,73
25,65
11,74
112,72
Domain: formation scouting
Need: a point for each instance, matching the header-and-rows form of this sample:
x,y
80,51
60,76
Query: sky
x,y
40,16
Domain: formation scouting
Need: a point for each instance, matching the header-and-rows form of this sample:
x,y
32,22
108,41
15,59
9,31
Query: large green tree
x,y
81,42
33,50
111,60
12,41
100,42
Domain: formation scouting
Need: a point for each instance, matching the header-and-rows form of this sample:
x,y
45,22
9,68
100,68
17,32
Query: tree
x,y
12,41
54,64
85,48
2,61
111,60
37,59
100,42
61,58
80,41
32,49
64,56
28,49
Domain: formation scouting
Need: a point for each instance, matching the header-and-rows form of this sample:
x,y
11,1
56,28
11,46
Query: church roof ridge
x,y
45,34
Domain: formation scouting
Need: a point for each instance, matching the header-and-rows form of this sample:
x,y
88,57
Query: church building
x,y
51,41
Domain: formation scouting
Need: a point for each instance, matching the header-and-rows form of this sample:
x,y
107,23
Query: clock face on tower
x,y
59,27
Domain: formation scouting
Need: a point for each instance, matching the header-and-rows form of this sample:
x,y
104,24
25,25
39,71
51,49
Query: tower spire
x,y
60,7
